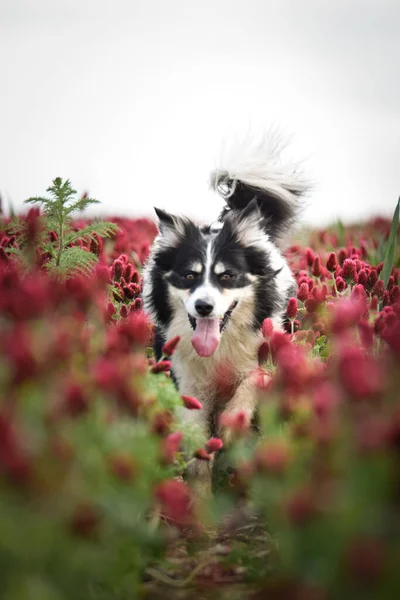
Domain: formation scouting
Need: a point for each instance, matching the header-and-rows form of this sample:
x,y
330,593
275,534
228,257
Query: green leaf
x,y
11,209
81,204
391,247
380,250
101,228
36,200
73,261
13,250
340,229
57,211
61,191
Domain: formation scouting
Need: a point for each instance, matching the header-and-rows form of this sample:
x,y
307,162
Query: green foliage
x,y
55,234
320,348
391,247
72,261
340,231
100,228
61,194
93,449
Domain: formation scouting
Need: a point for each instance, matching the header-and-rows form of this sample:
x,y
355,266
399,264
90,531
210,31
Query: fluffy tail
x,y
255,171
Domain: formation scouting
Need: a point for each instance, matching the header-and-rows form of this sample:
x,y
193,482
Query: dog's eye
x,y
226,276
190,276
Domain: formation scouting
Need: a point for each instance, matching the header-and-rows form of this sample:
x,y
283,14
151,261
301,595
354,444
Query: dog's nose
x,y
203,308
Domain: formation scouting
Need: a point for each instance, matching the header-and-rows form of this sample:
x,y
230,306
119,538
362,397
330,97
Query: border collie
x,y
214,285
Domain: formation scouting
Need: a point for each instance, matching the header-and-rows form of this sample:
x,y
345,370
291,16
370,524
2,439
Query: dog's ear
x,y
251,211
172,227
248,223
166,220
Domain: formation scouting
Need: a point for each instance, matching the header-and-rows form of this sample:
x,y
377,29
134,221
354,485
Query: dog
x,y
214,285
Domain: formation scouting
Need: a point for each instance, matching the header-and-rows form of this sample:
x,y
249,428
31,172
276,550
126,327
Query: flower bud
x,y
303,292
360,374
175,500
372,278
76,401
316,269
214,445
161,366
363,278
169,347
310,256
332,263
170,446
379,288
117,269
267,328
122,466
201,454
349,271
191,403
292,308
272,457
128,272
342,255
124,311
340,284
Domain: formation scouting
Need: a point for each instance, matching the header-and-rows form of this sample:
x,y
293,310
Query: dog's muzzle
x,y
223,322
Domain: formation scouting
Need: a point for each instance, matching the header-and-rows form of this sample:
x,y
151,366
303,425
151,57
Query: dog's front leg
x,y
243,402
199,472
199,476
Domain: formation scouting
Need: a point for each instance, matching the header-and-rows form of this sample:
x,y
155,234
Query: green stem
x,y
334,286
178,583
155,519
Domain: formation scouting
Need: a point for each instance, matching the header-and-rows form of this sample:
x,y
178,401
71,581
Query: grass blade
x,y
391,247
340,230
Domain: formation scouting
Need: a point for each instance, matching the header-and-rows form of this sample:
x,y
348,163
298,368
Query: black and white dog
x,y
213,286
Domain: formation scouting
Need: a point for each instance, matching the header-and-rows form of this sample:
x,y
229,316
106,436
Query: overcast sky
x,y
131,99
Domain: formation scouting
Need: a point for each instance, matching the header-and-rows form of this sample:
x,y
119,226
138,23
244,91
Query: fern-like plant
x,y
58,239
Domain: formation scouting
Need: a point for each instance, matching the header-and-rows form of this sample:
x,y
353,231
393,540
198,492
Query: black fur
x,y
158,343
171,265
277,213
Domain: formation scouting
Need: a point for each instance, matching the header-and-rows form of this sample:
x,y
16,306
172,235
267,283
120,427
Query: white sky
x,y
131,99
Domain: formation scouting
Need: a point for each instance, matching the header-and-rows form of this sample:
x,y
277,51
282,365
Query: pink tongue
x,y
206,337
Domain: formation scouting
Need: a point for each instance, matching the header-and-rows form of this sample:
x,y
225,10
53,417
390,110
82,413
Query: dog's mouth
x,y
207,332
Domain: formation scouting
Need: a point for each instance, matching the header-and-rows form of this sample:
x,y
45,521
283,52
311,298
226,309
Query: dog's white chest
x,y
235,357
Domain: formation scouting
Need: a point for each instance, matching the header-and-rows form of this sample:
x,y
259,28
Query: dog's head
x,y
208,274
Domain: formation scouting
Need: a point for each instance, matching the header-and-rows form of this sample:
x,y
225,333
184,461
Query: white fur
x,y
209,258
198,376
148,285
222,300
249,232
196,267
238,346
171,233
258,164
219,268
284,279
